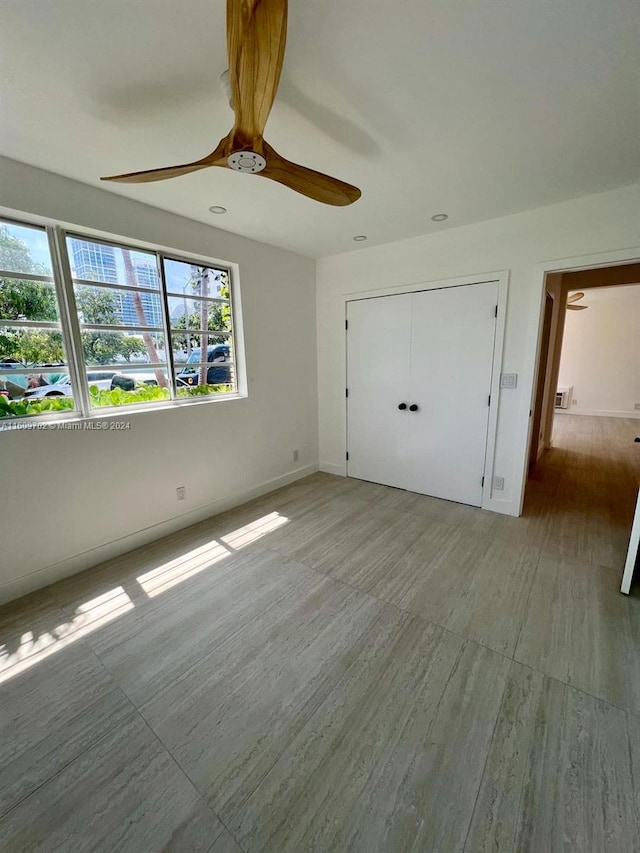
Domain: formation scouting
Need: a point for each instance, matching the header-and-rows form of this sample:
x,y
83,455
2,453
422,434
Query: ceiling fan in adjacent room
x,y
256,36
576,297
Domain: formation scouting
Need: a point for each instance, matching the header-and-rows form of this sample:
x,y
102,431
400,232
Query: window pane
x,y
184,279
34,376
24,249
187,349
131,387
122,348
93,261
21,407
199,314
32,348
16,385
214,367
118,307
205,390
28,300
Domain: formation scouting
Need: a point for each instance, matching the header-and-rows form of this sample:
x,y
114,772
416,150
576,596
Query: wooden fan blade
x,y
216,158
156,174
577,307
575,297
313,184
256,38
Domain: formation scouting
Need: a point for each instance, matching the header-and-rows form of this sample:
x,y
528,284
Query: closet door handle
x,y
402,406
413,408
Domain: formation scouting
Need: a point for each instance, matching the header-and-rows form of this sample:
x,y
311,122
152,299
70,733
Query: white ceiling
x,y
476,108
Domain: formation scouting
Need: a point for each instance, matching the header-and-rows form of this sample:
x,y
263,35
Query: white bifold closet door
x,y
419,372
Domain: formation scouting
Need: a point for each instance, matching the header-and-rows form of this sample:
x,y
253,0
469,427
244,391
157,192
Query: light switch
x,y
509,380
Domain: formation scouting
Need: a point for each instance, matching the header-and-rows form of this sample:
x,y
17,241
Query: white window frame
x,y
63,282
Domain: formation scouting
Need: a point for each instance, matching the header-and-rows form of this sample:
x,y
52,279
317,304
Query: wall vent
x,y
563,398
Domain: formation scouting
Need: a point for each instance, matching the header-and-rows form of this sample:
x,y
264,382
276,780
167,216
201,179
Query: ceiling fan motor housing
x,y
246,161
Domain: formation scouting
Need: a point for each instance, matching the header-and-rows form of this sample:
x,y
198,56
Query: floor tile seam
x,y
209,849
486,763
554,550
393,605
98,739
525,610
332,577
201,796
635,713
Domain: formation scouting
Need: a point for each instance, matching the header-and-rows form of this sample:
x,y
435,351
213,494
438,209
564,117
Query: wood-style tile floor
x,y
341,666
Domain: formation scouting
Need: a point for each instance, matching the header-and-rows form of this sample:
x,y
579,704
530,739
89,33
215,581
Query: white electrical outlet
x,y
574,402
296,455
498,484
181,493
636,406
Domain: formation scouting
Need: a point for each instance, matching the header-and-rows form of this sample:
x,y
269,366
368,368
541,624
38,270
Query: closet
x,y
419,369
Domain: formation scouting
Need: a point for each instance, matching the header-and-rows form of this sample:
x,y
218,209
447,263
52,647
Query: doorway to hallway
x,y
584,467
581,494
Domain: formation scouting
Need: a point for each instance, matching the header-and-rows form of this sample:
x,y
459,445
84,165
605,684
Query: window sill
x,y
76,421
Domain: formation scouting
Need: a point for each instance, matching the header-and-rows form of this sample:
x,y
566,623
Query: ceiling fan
x,y
576,297
256,37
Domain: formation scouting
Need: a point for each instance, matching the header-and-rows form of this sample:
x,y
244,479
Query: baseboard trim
x,y
501,506
332,468
47,575
599,413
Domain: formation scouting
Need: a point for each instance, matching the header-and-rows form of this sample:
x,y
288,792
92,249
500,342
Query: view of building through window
x,y
149,328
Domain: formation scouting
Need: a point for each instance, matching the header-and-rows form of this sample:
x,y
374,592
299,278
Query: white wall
x,y
519,243
601,353
70,499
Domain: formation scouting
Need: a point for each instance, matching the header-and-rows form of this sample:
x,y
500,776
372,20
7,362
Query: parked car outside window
x,y
218,374
62,388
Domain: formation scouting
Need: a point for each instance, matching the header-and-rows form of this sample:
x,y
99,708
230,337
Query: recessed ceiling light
x,y
360,238
440,217
217,209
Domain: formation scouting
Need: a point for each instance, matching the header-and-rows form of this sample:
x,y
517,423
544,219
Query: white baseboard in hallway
x,y
598,413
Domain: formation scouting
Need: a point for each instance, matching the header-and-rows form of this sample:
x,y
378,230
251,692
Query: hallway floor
x,y
341,666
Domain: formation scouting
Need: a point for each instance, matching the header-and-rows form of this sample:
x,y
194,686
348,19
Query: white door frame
x,y
573,264
502,279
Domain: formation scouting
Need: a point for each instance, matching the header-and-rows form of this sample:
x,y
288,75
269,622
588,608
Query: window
x,y
139,327
200,318
33,350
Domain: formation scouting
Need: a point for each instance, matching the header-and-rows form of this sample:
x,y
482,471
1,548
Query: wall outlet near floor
x,y
181,493
296,455
498,484
636,406
574,402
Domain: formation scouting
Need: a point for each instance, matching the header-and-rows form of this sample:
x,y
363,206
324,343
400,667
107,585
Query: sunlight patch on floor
x,y
30,649
199,559
185,566
88,618
244,536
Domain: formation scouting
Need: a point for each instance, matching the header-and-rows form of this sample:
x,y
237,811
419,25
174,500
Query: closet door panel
x,y
451,359
378,345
